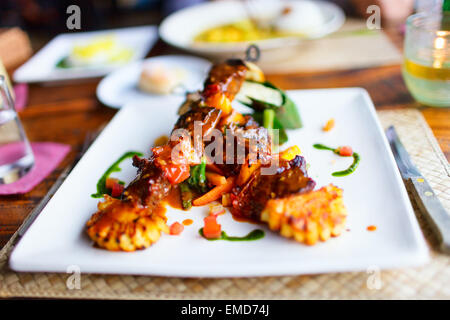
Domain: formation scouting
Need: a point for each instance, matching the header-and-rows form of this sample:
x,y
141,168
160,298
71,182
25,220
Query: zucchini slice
x,y
256,91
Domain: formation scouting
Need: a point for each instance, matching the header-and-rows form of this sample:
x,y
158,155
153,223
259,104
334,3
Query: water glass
x,y
429,6
426,65
16,156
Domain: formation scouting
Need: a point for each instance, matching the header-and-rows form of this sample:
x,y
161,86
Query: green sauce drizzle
x,y
323,147
252,236
351,169
101,184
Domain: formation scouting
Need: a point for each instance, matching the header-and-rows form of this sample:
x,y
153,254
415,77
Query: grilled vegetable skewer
x,y
136,221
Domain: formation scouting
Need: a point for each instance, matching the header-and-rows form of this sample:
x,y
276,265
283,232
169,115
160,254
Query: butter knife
x,y
426,199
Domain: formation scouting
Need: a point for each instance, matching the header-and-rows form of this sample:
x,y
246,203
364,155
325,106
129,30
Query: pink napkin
x,y
21,93
47,156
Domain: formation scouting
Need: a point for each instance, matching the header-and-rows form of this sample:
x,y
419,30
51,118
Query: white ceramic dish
x,y
42,66
180,28
121,86
374,195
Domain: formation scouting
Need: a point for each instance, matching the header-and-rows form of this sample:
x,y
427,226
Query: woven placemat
x,y
431,281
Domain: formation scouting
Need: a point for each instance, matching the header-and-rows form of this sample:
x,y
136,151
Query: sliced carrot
x,y
214,193
176,228
214,168
215,178
329,125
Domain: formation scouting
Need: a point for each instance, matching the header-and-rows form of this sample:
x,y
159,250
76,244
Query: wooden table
x,y
65,113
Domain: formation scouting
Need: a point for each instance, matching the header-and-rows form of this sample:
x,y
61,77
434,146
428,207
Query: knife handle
x,y
433,210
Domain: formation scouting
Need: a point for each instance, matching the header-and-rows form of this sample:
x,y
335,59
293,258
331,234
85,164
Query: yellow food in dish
x,y
244,30
98,51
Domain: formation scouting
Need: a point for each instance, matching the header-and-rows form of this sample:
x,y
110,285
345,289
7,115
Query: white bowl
x,y
180,28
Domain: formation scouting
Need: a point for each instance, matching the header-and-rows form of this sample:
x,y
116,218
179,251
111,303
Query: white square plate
x,y
42,66
374,195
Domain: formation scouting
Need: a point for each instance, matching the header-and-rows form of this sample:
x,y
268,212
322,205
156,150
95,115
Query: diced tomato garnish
x,y
345,151
176,228
212,229
176,173
116,190
161,150
211,89
110,182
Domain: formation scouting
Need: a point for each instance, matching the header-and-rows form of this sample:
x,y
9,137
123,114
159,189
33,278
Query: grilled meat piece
x,y
246,141
206,116
290,178
150,185
227,77
308,217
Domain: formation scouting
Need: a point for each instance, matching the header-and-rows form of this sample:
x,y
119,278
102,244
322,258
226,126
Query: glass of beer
x,y
426,66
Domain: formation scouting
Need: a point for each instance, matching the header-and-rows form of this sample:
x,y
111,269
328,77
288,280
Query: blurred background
x,y
43,19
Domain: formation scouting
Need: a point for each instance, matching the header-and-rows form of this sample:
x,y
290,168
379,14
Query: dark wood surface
x,y
66,112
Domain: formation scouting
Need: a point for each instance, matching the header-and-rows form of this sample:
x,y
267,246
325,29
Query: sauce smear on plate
x,y
253,235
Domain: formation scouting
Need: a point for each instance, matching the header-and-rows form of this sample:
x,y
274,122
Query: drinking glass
x,y
16,157
426,65
429,5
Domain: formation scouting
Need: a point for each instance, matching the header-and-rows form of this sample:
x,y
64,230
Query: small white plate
x,y
42,66
180,28
374,195
121,86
